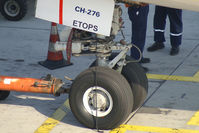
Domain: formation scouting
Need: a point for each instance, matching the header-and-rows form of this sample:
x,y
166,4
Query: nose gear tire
x,y
114,84
13,10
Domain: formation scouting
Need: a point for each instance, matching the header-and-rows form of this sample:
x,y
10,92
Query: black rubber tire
x,y
135,75
4,94
20,7
115,84
138,82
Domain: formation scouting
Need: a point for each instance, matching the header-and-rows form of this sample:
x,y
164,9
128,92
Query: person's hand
x,y
143,4
136,3
139,3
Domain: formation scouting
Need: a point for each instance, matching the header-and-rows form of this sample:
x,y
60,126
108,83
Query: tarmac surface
x,y
173,100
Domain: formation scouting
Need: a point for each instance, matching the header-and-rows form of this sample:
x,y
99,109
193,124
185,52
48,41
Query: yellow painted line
x,y
194,120
153,129
57,116
196,75
120,129
172,77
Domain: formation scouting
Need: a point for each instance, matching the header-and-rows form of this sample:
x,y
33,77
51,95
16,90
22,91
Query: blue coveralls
x,y
138,16
176,26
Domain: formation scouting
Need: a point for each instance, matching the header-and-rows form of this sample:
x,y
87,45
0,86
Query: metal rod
x,y
26,85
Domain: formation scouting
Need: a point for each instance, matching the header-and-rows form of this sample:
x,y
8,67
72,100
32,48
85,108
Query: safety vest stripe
x,y
172,34
158,30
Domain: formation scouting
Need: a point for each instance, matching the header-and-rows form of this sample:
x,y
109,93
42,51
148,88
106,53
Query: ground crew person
x,y
176,28
138,14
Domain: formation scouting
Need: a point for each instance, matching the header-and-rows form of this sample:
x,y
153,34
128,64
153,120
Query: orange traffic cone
x,y
55,58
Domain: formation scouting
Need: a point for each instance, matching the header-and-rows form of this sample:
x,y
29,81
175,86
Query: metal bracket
x,y
120,56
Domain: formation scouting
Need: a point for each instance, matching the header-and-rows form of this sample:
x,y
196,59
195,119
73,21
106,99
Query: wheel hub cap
x,y
11,8
97,101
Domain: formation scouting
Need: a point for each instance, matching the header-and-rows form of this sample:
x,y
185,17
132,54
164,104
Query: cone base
x,y
55,64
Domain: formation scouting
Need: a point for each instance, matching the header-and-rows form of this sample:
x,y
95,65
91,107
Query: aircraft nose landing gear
x,y
103,96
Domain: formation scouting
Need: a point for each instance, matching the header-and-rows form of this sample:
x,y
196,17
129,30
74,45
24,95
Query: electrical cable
x,y
140,57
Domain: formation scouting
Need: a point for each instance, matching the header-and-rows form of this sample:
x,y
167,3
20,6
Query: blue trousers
x,y
176,25
138,17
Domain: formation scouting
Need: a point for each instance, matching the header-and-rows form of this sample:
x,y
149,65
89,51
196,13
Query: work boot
x,y
155,46
174,51
145,60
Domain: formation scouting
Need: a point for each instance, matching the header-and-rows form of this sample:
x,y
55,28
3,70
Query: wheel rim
x,y
97,101
12,8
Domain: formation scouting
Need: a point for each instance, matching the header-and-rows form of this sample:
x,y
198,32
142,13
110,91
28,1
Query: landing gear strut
x,y
102,96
